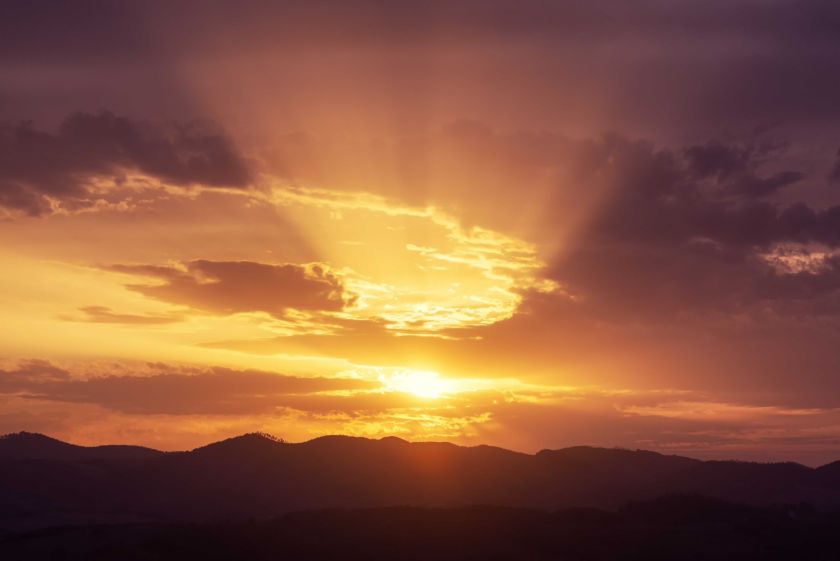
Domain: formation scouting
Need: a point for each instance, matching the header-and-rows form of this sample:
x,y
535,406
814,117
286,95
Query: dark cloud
x,y
834,174
713,192
36,166
734,168
229,287
683,231
175,391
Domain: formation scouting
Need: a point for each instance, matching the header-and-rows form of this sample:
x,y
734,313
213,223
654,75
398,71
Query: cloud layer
x,y
194,402
230,287
171,390
39,170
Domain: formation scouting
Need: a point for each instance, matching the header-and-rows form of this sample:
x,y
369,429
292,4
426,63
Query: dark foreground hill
x,y
684,528
44,482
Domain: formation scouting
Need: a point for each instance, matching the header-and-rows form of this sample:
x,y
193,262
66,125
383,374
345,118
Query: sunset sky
x,y
530,223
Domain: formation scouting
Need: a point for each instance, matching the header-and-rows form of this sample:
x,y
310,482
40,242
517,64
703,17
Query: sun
x,y
421,383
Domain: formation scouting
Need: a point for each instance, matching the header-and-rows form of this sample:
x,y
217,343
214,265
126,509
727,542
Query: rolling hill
x,y
45,482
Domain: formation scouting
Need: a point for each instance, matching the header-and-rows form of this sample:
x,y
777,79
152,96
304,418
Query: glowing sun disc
x,y
420,383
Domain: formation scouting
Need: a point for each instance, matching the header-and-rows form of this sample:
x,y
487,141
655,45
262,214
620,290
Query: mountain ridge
x,y
258,436
33,445
45,482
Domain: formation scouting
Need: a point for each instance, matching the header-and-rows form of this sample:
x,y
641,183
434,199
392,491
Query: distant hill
x,y
34,446
46,482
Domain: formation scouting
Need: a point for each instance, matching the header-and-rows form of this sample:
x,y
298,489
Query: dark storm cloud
x,y
713,192
229,287
179,391
679,231
734,168
35,164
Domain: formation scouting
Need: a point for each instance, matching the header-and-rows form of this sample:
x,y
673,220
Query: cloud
x,y
40,169
734,168
103,314
834,174
171,390
713,191
687,231
230,287
31,372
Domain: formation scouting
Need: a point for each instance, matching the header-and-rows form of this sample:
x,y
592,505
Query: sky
x,y
530,224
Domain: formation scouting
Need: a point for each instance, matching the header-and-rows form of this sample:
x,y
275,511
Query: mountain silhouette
x,y
34,446
47,482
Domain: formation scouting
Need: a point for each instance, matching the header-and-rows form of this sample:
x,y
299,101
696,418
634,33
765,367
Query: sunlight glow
x,y
421,383
430,274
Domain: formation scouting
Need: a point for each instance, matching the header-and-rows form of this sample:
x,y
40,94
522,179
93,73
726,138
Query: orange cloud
x,y
103,314
229,287
171,390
